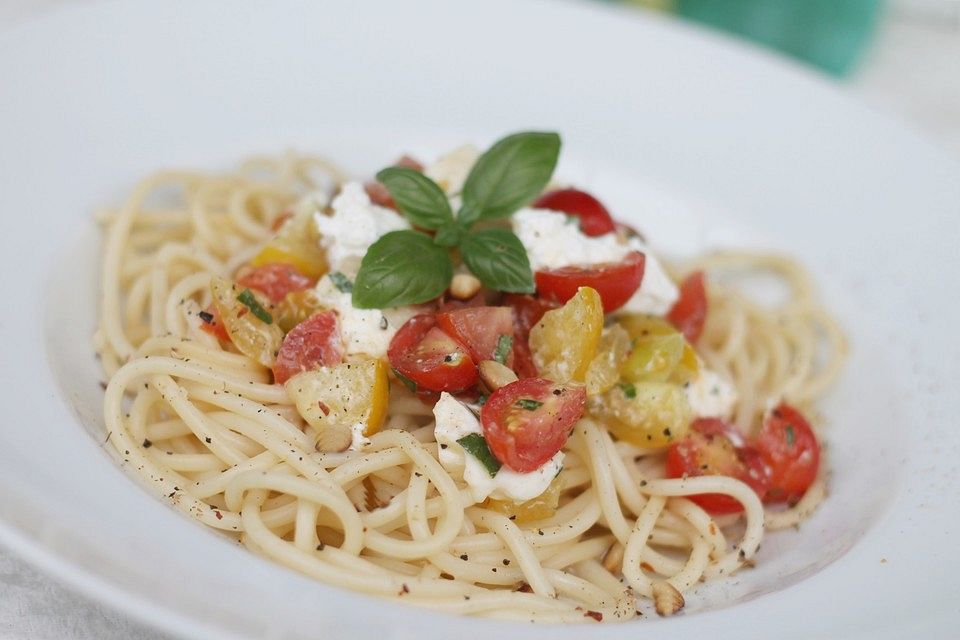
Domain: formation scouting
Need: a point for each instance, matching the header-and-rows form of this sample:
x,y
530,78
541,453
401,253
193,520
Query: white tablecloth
x,y
911,70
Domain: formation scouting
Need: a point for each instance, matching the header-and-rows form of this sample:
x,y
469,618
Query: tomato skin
x,y
312,343
422,352
594,218
721,449
689,312
527,312
275,280
616,282
524,439
215,327
789,447
379,195
479,329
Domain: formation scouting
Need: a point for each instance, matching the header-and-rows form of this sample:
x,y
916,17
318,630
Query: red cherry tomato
x,y
594,218
423,353
616,282
714,448
275,280
690,312
315,342
213,325
452,304
789,446
528,421
479,329
527,312
378,193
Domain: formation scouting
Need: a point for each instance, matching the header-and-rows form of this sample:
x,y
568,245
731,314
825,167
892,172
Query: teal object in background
x,y
830,34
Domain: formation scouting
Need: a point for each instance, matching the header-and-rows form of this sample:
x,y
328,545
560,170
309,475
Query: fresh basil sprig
x,y
410,267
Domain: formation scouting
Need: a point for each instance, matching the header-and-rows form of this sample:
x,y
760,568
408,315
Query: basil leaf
x,y
407,382
528,403
341,281
509,175
629,390
475,445
402,267
247,298
504,345
498,258
417,197
448,236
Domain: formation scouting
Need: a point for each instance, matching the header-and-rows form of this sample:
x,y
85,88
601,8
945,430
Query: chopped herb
x,y
341,281
628,389
475,445
407,382
206,316
502,352
528,404
791,436
247,298
481,400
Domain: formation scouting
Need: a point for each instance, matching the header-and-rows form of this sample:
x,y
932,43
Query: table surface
x,y
910,71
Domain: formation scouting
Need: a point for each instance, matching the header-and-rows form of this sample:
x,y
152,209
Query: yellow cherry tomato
x,y
297,244
604,370
565,340
334,399
252,335
543,506
647,414
296,307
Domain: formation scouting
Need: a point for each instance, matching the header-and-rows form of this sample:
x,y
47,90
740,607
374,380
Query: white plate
x,y
691,137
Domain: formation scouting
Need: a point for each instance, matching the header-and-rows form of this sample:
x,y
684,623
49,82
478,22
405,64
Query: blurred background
x,y
899,56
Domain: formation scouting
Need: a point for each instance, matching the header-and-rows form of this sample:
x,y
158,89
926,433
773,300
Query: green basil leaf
x,y
340,281
475,445
448,236
504,345
417,197
402,267
247,298
509,175
498,259
528,403
629,390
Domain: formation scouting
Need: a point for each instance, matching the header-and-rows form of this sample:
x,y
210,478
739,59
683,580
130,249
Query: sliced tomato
x,y
313,343
433,360
479,329
527,312
274,280
714,448
528,421
595,220
448,303
616,282
689,312
213,323
379,195
790,448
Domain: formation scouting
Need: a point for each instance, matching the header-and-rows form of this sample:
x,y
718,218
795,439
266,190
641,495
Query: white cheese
x,y
553,241
710,396
454,421
353,226
358,440
450,171
364,331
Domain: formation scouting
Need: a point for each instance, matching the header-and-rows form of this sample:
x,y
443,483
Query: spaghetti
x,y
208,431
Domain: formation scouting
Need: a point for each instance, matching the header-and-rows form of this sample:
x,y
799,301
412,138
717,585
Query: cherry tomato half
x,y
594,218
479,329
528,421
315,342
423,353
616,282
527,312
714,448
274,280
790,448
689,313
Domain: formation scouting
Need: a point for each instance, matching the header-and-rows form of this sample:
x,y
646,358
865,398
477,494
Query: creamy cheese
x,y
450,171
354,224
553,241
710,396
454,420
364,331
